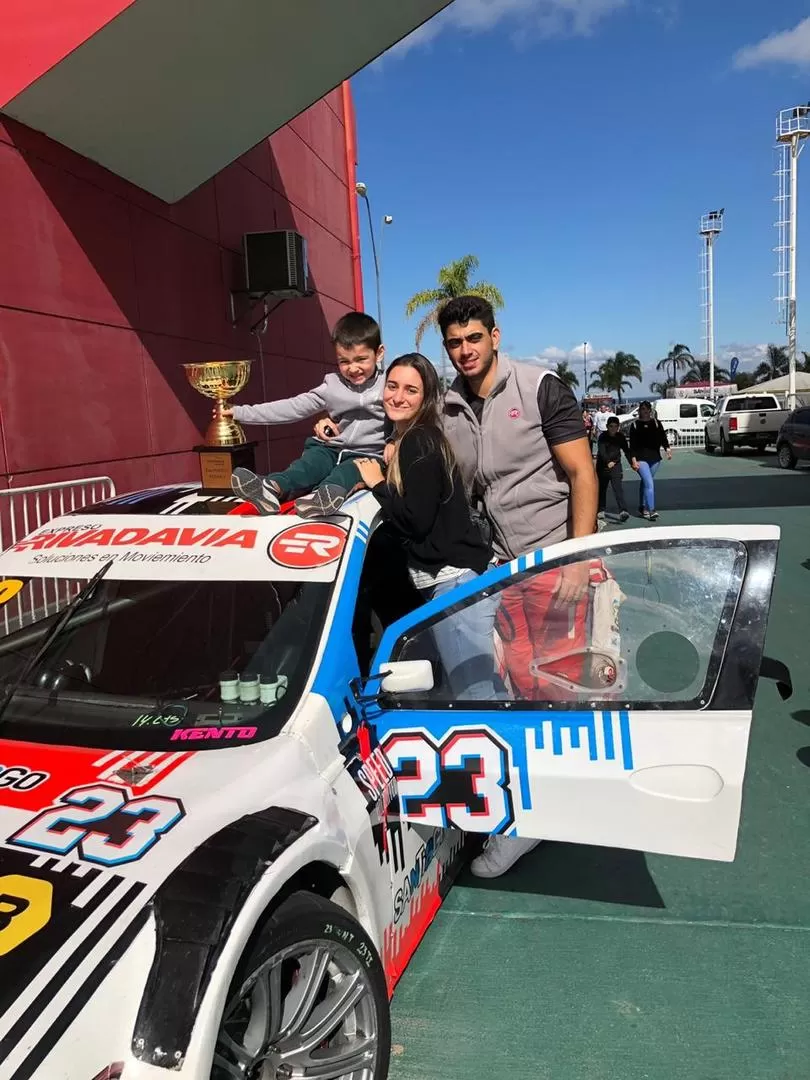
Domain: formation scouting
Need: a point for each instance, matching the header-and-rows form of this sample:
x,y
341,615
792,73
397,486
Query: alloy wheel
x,y
306,1012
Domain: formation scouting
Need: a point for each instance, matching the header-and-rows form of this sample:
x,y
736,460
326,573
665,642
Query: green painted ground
x,y
594,964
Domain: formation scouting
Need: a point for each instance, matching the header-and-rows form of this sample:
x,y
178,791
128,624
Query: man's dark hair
x,y
356,328
613,420
645,405
463,309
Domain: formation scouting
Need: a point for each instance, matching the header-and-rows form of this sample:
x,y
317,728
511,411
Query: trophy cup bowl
x,y
220,380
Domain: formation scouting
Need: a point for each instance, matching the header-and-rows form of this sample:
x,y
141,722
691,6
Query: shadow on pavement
x,y
577,871
718,492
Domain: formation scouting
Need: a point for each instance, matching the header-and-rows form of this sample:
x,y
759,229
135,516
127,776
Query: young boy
x,y
609,450
353,398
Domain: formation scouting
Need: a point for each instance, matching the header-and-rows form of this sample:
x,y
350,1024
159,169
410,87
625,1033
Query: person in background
x,y
600,421
609,449
647,440
423,502
587,420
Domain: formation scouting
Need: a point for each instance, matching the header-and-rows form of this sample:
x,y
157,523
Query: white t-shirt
x,y
600,421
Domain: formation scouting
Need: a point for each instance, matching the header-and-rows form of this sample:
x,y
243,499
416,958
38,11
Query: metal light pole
x,y
585,367
792,128
362,192
711,225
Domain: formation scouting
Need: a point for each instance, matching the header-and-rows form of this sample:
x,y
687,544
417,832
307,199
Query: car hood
x,y
86,839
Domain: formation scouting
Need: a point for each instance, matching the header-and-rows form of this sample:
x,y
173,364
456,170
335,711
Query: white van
x,y
684,419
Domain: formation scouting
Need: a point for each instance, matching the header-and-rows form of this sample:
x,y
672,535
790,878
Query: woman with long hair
x,y
423,501
647,440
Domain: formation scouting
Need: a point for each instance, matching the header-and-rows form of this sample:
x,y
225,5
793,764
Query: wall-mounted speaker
x,y
276,264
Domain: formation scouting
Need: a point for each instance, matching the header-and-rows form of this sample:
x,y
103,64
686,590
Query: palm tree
x,y
678,358
615,373
454,280
567,376
700,372
744,380
660,388
774,366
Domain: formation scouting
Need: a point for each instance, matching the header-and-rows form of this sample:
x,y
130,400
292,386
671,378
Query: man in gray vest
x,y
522,448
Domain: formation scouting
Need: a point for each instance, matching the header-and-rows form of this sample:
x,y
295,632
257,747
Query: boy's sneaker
x,y
601,516
323,501
623,516
264,494
500,854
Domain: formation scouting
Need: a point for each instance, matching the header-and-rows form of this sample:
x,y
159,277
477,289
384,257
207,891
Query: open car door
x,y
620,718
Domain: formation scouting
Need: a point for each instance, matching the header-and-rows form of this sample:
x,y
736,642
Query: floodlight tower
x,y
792,128
711,225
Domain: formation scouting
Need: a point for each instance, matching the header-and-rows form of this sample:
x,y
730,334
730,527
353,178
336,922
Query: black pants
x,y
612,477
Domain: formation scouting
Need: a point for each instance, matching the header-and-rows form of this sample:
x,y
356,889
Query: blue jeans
x,y
465,643
646,472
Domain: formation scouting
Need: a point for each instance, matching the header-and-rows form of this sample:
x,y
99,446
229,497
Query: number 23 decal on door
x,y
102,824
461,780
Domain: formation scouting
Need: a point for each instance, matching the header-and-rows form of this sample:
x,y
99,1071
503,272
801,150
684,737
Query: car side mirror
x,y
407,676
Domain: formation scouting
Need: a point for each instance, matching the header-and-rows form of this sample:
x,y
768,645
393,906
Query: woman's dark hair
x,y
429,415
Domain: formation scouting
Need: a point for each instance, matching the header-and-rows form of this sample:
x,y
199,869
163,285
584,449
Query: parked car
x,y
747,419
223,832
683,420
793,443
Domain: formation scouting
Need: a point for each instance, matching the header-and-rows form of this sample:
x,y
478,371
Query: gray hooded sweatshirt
x,y
506,462
358,411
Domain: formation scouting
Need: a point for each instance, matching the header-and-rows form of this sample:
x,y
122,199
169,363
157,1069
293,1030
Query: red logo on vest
x,y
514,414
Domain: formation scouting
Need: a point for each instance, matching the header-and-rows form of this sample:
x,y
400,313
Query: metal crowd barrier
x,y
686,440
24,509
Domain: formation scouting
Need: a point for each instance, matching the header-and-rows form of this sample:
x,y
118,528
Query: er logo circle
x,y
306,547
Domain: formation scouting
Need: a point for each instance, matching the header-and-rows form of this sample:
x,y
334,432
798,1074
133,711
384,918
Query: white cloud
x,y
551,355
527,18
748,355
785,47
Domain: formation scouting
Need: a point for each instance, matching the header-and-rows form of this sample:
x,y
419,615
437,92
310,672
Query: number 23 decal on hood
x,y
102,824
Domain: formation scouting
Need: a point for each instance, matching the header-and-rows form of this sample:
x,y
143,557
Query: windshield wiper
x,y
58,627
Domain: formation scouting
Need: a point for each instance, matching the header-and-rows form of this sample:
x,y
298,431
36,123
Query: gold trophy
x,y
225,447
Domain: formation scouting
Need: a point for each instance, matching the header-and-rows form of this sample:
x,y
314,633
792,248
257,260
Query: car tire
x,y
725,445
672,436
707,446
785,457
310,989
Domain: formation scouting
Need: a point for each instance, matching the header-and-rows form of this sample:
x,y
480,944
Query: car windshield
x,y
157,664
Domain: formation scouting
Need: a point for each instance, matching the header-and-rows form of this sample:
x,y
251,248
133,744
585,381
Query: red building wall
x,y
105,291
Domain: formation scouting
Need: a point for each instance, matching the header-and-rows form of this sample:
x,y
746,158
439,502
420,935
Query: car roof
x,y
180,533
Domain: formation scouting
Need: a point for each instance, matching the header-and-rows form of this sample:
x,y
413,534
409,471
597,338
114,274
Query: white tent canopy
x,y
780,385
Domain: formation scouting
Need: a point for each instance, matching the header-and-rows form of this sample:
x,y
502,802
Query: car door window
x,y
689,410
649,632
707,410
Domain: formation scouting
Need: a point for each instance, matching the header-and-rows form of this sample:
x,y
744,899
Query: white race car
x,y
226,822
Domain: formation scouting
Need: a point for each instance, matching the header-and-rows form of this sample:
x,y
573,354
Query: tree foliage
x,y
453,280
615,374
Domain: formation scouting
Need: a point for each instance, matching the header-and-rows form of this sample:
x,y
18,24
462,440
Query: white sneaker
x,y
500,854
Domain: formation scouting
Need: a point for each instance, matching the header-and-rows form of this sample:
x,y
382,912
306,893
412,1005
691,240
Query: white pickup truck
x,y
746,419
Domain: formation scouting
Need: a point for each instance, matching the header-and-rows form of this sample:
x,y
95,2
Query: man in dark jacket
x,y
609,449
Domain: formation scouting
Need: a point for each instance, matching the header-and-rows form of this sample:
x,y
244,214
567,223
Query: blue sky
x,y
572,145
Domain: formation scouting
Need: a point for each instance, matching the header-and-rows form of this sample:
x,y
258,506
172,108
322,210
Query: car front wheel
x,y
785,456
309,1000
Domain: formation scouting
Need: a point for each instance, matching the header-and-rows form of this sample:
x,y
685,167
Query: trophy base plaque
x,y
218,462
